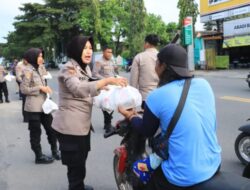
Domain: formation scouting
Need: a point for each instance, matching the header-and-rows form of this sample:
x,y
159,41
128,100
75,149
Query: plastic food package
x,y
49,106
9,77
48,76
126,97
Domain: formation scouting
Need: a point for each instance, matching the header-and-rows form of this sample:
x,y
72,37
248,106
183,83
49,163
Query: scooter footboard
x,y
224,181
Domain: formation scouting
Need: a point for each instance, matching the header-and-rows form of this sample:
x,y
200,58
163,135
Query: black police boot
x,y
87,187
7,100
43,159
1,101
56,154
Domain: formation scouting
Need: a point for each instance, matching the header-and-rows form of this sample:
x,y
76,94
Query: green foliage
x,y
208,26
155,25
125,54
107,23
187,8
137,23
121,24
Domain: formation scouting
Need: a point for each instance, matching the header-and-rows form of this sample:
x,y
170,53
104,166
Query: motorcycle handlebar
x,y
113,131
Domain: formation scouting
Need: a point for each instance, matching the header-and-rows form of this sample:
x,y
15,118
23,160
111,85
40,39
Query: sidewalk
x,y
230,73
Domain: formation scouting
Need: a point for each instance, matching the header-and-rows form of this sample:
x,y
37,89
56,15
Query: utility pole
x,y
188,41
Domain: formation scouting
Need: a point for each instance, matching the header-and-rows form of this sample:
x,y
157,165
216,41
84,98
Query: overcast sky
x,y
167,9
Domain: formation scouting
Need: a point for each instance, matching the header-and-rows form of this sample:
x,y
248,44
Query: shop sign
x,y
237,27
225,14
188,31
236,41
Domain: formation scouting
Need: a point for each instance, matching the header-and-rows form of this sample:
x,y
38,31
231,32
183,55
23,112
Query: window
x,y
214,2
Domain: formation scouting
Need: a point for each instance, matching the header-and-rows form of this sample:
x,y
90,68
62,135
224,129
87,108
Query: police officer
x,y
72,121
20,68
143,75
3,85
34,87
103,68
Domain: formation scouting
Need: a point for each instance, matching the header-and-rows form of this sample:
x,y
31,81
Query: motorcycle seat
x,y
224,181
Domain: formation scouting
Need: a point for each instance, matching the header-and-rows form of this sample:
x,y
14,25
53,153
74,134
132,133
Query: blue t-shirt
x,y
194,152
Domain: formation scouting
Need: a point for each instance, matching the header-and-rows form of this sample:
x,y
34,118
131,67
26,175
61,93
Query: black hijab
x,y
75,48
31,56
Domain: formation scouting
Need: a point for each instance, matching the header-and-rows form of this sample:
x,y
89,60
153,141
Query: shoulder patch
x,y
71,70
28,74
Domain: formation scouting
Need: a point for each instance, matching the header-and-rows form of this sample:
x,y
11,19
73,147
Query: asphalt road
x,y
18,171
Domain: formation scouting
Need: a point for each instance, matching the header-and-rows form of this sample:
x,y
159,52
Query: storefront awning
x,y
236,41
212,38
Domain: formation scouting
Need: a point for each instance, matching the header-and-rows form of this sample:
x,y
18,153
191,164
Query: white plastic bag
x,y
48,76
49,106
126,97
9,77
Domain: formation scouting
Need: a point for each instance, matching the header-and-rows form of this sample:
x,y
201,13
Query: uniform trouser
x,y
23,103
3,89
107,117
74,153
76,172
35,133
20,93
24,113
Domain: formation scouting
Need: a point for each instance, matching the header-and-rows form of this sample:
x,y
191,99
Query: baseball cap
x,y
175,56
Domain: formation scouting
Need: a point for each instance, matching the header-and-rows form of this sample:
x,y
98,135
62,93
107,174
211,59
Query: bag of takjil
x,y
49,106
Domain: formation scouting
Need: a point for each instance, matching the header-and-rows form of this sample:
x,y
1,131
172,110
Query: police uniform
x,y
143,75
3,85
30,86
103,69
72,121
42,70
20,68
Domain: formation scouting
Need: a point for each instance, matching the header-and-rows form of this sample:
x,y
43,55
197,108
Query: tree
x,y
208,26
121,24
30,31
109,22
136,26
155,25
49,26
187,8
64,20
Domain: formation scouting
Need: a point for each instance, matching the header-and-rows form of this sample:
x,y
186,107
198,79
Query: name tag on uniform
x,y
82,78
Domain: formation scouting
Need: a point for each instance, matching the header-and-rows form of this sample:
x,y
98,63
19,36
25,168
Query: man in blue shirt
x,y
194,152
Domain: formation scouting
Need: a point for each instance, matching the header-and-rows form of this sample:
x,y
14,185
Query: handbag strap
x,y
179,108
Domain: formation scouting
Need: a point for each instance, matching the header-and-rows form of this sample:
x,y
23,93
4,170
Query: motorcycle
x,y
242,144
133,147
248,80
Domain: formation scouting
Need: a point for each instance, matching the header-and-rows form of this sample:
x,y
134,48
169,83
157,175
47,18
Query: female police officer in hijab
x,y
34,87
72,121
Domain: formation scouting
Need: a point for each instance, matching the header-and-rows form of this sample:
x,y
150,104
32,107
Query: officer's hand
x,y
49,90
46,89
119,81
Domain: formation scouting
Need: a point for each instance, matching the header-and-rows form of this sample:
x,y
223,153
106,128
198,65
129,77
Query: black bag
x,y
160,142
